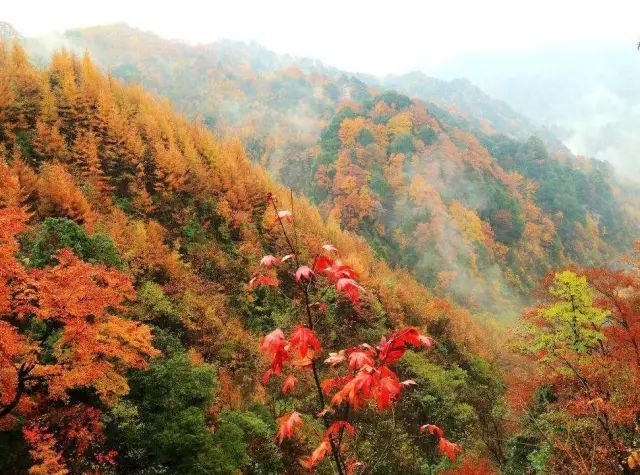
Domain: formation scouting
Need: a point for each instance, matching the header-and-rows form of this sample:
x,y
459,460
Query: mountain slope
x,y
276,104
483,114
582,91
113,173
241,90
489,224
433,198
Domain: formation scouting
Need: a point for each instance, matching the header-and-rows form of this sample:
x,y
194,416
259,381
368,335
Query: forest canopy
x,y
399,292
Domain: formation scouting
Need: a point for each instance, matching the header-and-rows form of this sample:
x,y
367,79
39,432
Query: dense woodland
x,y
449,184
166,306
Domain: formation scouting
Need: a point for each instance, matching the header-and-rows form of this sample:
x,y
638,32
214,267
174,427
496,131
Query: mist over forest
x,y
235,241
583,92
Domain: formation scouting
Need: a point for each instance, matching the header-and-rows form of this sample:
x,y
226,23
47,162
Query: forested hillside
x,y
154,228
471,106
452,187
167,307
481,217
275,105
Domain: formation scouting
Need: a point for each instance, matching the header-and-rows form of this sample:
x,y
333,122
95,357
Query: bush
x,y
60,233
402,144
427,135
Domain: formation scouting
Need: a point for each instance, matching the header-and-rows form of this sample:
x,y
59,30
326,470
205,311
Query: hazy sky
x,y
391,36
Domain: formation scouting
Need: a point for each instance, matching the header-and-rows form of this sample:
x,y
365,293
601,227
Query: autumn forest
x,y
216,259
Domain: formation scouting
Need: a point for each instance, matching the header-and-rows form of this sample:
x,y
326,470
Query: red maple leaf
x,y
303,338
335,428
270,261
322,264
432,429
274,344
388,388
358,359
329,248
449,449
288,257
287,424
330,384
304,272
350,288
262,279
289,384
318,454
336,358
273,341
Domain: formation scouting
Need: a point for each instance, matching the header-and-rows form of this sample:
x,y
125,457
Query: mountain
x,y
276,104
498,210
482,113
482,218
166,306
125,226
241,90
582,91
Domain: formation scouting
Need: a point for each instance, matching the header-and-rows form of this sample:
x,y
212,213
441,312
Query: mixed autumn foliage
x,y
119,195
166,307
584,337
447,183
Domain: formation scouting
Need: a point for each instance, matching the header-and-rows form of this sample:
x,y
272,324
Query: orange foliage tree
x,y
60,330
585,339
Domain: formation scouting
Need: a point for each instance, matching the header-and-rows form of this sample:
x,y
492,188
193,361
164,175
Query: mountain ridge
x,y
281,108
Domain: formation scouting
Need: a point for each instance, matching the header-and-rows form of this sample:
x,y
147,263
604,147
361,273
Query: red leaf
x,y
303,338
304,272
270,261
340,271
267,374
449,449
391,350
350,288
261,279
364,380
274,344
322,264
273,341
289,384
288,257
426,341
318,454
330,384
387,390
334,429
287,424
409,335
432,429
356,390
324,412
329,248
336,358
358,359
278,359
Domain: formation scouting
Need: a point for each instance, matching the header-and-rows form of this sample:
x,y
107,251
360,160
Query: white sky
x,y
391,36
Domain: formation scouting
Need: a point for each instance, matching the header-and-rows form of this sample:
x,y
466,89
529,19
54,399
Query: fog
x,y
587,93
